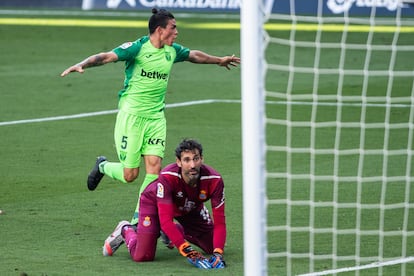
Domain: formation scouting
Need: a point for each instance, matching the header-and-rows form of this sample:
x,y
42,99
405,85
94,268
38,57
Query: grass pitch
x,y
52,225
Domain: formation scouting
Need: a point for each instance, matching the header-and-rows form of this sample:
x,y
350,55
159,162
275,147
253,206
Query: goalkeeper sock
x,y
114,170
147,180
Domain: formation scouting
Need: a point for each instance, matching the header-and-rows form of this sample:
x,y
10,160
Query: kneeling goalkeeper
x,y
174,204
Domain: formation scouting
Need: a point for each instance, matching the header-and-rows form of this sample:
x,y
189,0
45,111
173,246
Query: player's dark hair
x,y
188,145
159,17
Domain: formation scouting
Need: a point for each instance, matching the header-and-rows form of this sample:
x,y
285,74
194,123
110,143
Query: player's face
x,y
190,164
169,33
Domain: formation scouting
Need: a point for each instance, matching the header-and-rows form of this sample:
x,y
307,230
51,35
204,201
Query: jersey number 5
x,y
124,142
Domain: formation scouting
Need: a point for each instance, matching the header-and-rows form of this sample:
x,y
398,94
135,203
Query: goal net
x,y
330,153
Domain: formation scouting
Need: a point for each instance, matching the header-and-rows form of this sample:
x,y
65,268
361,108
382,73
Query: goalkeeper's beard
x,y
193,177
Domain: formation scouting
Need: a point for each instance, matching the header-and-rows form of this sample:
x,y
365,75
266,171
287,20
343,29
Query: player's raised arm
x,y
197,56
94,60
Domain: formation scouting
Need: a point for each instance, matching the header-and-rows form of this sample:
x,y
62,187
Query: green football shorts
x,y
137,136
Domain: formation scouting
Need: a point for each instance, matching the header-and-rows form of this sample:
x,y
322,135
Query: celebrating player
x,y
140,129
179,194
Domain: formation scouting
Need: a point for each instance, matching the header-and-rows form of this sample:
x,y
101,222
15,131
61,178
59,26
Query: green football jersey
x,y
147,70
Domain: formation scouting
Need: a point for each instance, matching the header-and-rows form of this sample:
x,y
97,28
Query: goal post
x,y
253,139
327,137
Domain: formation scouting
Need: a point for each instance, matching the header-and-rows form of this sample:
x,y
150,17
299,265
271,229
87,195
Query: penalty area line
x,y
106,112
361,267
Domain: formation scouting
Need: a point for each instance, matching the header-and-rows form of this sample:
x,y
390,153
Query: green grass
x,y
53,225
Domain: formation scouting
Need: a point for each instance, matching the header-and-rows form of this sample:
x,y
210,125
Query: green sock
x,y
114,170
147,180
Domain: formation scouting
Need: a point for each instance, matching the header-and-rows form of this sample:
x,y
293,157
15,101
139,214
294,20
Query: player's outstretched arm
x,y
94,60
197,56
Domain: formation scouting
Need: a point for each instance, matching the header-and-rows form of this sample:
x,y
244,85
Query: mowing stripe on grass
x,y
208,26
110,23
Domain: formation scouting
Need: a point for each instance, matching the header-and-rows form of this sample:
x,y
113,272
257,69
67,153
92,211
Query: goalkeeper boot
x,y
115,240
166,240
95,175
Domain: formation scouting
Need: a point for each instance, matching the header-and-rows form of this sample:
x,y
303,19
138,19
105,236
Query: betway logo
x,y
340,6
154,75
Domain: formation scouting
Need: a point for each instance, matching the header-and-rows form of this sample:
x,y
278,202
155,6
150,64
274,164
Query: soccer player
x,y
174,203
140,128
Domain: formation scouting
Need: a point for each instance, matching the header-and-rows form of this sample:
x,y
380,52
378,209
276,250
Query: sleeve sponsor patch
x,y
160,190
126,45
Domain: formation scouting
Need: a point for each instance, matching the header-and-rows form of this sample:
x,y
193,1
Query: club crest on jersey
x,y
160,190
126,45
167,56
202,195
122,155
147,221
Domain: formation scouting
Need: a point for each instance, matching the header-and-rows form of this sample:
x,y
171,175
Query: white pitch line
x,y
57,118
208,101
361,267
106,112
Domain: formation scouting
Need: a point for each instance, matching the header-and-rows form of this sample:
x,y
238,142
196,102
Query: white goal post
x,y
253,139
328,137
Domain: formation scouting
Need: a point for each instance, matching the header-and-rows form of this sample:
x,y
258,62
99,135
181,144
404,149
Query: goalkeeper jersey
x,y
147,70
174,198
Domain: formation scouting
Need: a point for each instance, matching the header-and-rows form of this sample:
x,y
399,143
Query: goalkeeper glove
x,y
193,257
217,261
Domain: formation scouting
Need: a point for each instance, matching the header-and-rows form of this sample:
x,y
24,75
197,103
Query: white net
x,y
339,135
